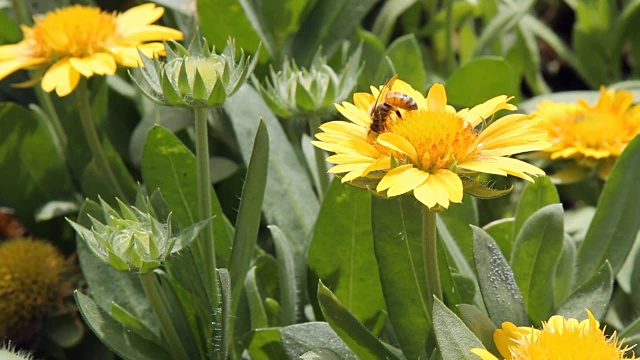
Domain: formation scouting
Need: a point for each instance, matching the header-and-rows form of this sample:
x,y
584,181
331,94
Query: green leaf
x,y
615,224
475,72
535,255
479,324
248,221
321,354
397,229
9,31
386,19
258,314
326,25
455,340
169,166
288,286
288,186
363,343
505,20
534,197
561,96
129,321
34,172
121,341
406,55
594,295
264,344
502,232
565,271
499,289
224,19
65,330
225,313
591,38
301,338
342,255
457,218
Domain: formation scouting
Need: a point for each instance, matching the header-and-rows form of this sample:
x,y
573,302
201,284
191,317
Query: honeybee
x,y
387,102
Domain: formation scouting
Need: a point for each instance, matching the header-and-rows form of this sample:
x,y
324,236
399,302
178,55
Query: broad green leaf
x,y
342,255
289,201
479,324
121,341
386,18
362,342
321,354
455,340
397,226
615,224
302,338
248,221
499,289
326,25
475,72
34,173
9,30
221,19
534,259
286,268
169,166
264,344
406,55
534,197
107,284
565,271
502,232
594,295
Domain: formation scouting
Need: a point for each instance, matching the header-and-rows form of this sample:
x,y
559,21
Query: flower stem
x,y
430,255
57,131
22,12
450,56
207,245
91,134
321,166
159,308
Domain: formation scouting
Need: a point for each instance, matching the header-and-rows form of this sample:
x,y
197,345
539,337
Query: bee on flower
x,y
430,150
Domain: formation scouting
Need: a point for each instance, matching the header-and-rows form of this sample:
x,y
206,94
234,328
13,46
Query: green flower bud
x,y
133,240
296,92
194,77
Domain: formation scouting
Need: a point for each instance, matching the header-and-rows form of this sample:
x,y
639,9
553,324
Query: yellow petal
x,y
382,163
11,66
484,354
81,66
14,51
425,193
392,177
397,143
437,98
451,182
62,77
355,114
407,181
481,112
139,15
153,33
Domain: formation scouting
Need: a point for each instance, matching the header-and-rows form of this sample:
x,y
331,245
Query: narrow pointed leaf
x,y
258,314
534,197
565,271
479,324
288,286
455,340
301,338
499,289
594,295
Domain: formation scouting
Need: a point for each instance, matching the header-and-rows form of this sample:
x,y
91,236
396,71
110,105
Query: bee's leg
x,y
398,113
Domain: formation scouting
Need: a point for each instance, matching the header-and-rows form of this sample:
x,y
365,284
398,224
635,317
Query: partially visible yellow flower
x,y
83,40
433,151
559,339
593,136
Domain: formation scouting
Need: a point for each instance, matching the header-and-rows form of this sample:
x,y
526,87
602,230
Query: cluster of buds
x,y
195,76
295,92
134,240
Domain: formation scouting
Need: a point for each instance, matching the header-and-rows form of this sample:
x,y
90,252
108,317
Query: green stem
x,y
57,131
22,12
430,255
208,250
91,134
159,308
321,165
450,60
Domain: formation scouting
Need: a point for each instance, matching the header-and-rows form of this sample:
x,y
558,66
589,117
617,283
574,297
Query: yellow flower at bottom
x,y
592,136
428,151
559,339
83,40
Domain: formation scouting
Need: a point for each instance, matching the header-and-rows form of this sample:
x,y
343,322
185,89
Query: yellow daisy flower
x,y
559,339
431,150
593,136
82,40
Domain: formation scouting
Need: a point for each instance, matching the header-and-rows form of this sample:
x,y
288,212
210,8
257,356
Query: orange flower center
x,y
440,139
76,31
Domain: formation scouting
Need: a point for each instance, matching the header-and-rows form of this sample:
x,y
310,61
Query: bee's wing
x,y
383,92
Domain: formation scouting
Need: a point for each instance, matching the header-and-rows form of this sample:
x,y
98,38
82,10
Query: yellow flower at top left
x,y
82,41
